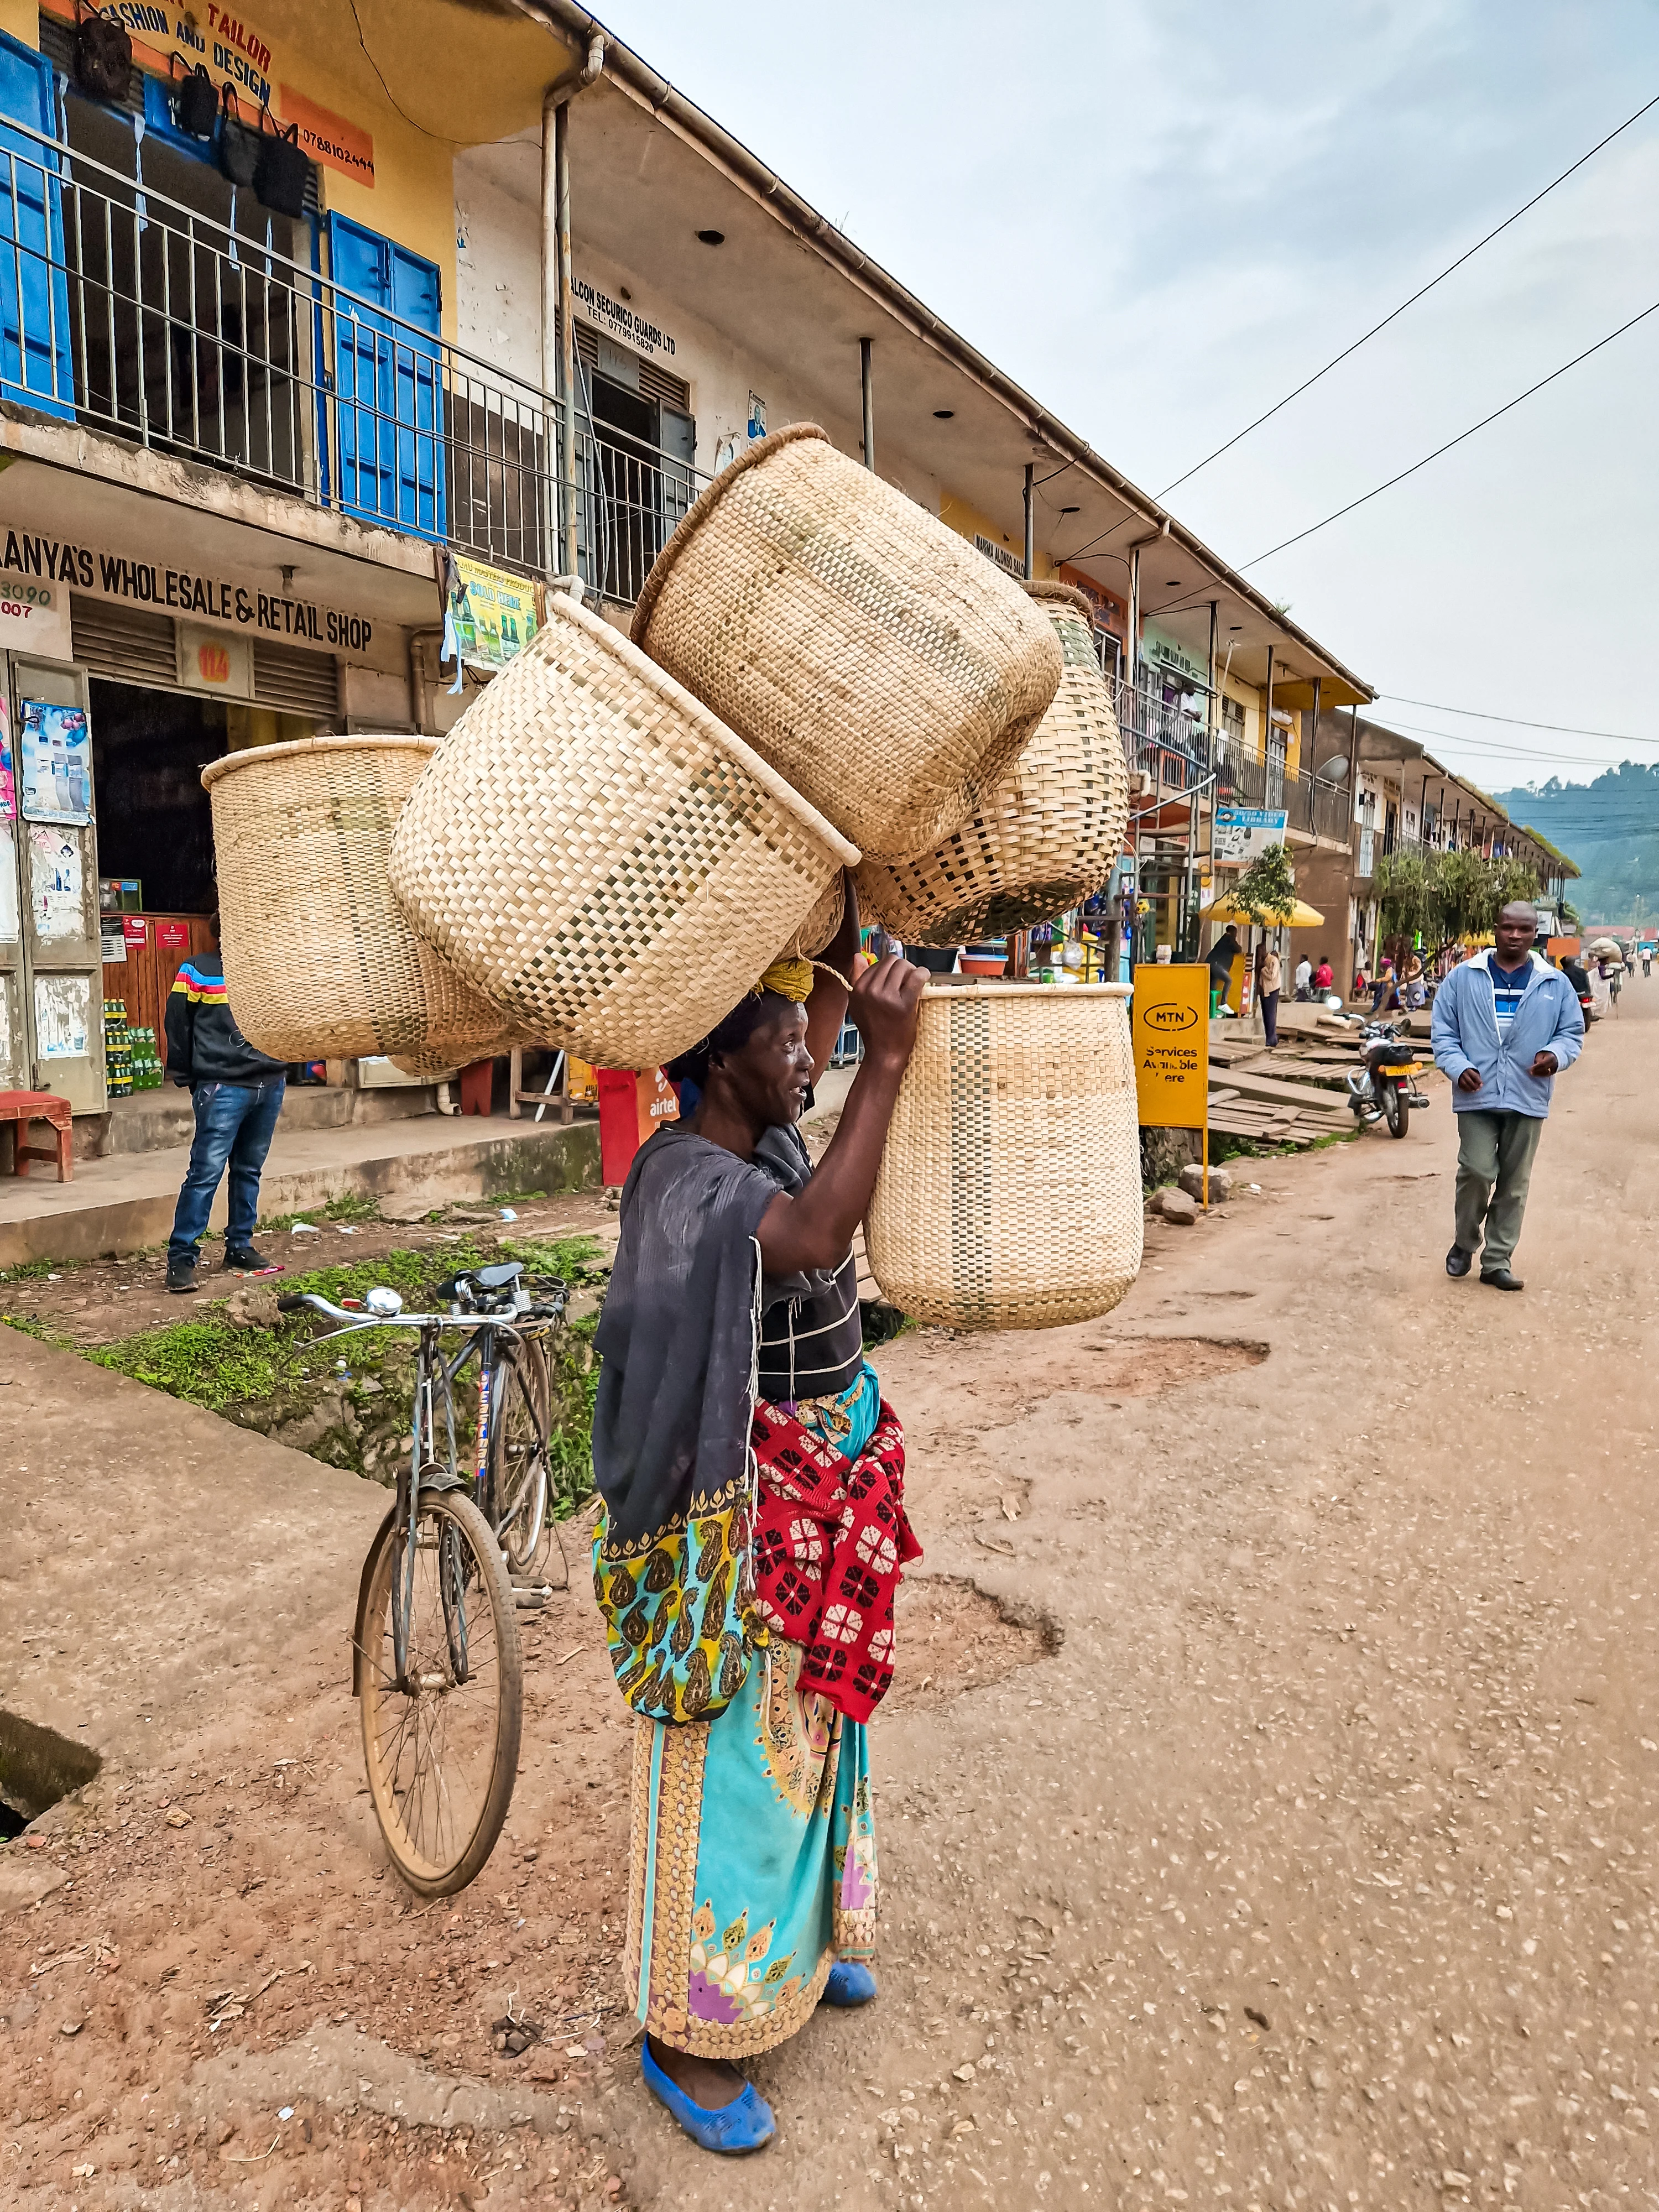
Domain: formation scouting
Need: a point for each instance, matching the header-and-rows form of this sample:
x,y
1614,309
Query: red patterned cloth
x,y
830,1539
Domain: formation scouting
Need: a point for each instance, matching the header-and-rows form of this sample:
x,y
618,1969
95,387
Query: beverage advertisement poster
x,y
495,614
7,774
56,752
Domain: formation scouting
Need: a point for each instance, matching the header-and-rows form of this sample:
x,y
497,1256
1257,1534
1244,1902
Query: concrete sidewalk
x,y
159,1562
123,1203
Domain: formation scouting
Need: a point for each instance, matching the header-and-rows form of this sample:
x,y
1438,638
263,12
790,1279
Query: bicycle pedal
x,y
533,1597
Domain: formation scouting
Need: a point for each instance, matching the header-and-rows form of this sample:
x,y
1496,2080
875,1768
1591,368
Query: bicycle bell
x,y
384,1302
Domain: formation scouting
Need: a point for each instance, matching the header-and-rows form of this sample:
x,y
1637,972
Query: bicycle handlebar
x,y
295,1300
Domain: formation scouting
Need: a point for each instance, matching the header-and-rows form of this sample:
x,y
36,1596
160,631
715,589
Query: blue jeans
x,y
234,1124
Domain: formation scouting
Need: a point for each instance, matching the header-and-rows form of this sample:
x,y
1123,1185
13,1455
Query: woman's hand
x,y
815,1230
886,1005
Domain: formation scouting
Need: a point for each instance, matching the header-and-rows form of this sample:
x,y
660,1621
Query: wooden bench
x,y
22,1107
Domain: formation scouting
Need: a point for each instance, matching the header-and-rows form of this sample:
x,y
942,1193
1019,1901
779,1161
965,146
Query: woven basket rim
x,y
700,508
978,989
717,733
290,747
1056,593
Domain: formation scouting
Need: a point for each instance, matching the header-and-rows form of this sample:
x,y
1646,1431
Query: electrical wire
x,y
1421,293
1477,715
1377,489
437,136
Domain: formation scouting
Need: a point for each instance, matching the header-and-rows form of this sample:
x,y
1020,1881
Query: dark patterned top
x,y
811,1333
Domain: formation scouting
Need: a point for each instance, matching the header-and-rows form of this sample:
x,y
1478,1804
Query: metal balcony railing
x,y
126,310
1173,748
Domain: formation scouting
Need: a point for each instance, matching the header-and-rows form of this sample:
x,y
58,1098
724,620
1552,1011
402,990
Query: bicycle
x,y
436,1666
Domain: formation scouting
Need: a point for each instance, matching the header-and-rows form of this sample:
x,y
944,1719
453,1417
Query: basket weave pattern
x,y
875,657
319,961
598,853
1009,1194
1049,834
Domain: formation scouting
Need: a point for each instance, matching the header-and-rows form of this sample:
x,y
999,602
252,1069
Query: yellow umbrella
x,y
1301,916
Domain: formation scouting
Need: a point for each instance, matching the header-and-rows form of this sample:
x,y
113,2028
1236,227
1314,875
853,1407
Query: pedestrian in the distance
x,y
1505,1024
1303,979
1323,976
1384,991
1222,953
1270,982
237,1092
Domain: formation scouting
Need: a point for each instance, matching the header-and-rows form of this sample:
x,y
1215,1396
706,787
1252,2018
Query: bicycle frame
x,y
436,1375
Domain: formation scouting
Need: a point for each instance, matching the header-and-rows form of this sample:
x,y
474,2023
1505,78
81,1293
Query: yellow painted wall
x,y
966,521
425,78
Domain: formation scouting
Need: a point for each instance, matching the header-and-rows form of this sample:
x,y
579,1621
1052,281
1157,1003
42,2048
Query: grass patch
x,y
508,1198
349,1206
209,1362
574,1259
576,1382
29,1270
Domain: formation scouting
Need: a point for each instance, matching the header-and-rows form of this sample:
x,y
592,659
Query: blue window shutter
x,y
35,363
388,385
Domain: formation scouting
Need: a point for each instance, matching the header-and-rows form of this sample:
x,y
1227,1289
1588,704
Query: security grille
x,y
297,681
123,644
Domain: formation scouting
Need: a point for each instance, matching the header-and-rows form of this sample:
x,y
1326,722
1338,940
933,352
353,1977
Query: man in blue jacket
x,y
237,1091
1505,1023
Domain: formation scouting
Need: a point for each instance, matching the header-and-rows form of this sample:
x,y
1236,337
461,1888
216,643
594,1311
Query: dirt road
x,y
1297,1851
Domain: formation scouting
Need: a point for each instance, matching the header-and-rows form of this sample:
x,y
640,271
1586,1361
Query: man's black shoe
x,y
243,1260
1501,1280
181,1273
1458,1262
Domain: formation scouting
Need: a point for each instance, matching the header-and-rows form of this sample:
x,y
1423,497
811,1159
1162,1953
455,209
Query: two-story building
x,y
327,340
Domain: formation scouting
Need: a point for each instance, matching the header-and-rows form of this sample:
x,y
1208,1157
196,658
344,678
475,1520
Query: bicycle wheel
x,y
442,1746
519,1479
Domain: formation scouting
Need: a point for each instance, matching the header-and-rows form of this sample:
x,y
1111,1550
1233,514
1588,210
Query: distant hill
x,y
1610,828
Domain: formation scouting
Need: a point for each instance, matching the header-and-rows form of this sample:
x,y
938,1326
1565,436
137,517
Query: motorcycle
x,y
1382,1091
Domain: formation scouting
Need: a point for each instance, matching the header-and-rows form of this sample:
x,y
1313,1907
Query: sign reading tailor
x,y
182,591
1244,833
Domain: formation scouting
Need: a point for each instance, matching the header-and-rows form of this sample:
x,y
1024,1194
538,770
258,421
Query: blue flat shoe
x,y
849,1983
744,2125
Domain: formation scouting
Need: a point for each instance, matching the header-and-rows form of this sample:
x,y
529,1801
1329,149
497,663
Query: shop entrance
x,y
155,856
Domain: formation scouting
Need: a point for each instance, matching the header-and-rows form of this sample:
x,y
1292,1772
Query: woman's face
x,y
771,1074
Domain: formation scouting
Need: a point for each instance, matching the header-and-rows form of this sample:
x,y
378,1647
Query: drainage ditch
x,y
37,1767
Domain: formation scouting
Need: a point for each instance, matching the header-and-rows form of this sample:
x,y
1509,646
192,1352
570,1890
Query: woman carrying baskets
x,y
752,1539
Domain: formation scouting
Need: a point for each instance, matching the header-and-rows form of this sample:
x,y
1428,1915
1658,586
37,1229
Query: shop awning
x,y
1301,916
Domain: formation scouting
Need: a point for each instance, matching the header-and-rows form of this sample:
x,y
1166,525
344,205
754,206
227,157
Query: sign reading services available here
x,y
1169,1020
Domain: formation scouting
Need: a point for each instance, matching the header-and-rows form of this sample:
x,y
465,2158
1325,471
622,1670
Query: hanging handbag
x,y
195,103
284,172
103,57
238,146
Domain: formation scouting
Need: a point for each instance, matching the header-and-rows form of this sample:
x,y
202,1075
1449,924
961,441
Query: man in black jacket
x,y
237,1092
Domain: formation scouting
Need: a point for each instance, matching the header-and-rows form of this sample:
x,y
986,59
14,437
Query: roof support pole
x,y
1031,521
868,393
558,294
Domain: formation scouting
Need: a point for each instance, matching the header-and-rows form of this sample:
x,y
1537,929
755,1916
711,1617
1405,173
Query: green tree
x,y
1265,888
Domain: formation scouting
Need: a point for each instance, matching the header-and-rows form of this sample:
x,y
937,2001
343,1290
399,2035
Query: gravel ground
x,y
1267,1820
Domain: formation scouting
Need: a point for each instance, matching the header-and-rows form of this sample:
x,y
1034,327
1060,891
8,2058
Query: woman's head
x,y
755,1063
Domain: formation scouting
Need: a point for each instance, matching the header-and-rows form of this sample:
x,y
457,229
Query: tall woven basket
x,y
319,961
1009,1195
878,662
1049,836
600,855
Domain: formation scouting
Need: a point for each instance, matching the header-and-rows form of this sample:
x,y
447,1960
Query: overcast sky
x,y
1160,216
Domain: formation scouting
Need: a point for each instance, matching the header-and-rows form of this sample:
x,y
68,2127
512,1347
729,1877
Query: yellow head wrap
x,y
788,979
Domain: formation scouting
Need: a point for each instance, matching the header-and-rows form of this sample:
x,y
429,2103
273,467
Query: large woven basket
x,y
600,855
874,656
1009,1194
1049,836
319,961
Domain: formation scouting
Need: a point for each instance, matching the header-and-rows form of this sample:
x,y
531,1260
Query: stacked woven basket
x,y
620,834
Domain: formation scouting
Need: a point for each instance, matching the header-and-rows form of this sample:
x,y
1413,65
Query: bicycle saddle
x,y
471,1280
